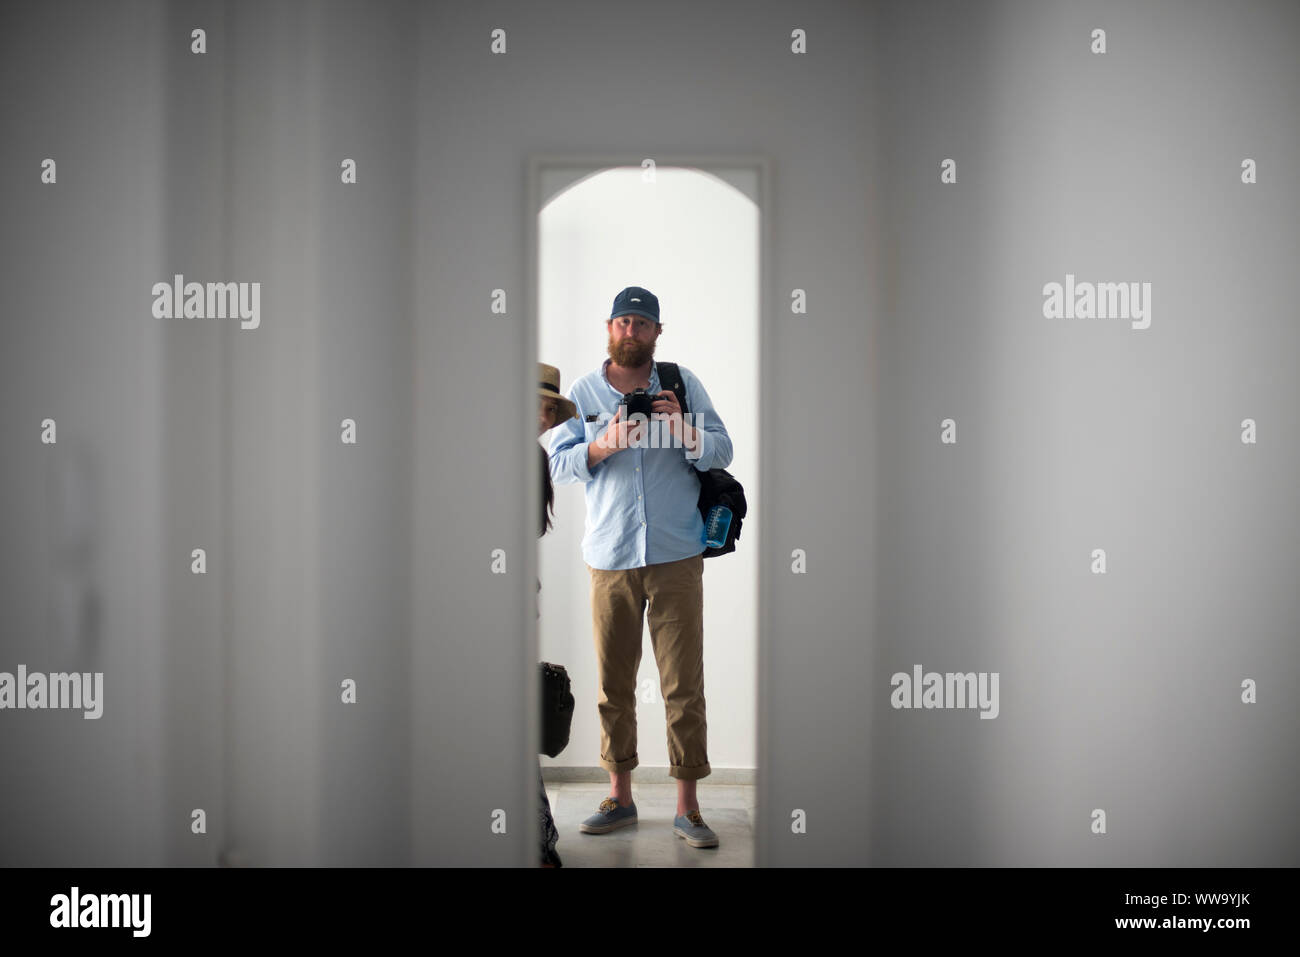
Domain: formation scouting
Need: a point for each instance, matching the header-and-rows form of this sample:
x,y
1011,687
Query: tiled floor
x,y
727,809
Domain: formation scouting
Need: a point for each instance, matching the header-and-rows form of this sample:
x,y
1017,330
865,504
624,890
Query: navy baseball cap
x,y
637,301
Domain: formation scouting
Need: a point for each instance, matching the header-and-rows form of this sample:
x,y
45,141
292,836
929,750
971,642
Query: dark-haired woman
x,y
553,408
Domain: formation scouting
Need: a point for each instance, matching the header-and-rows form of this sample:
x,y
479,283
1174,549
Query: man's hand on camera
x,y
619,434
668,405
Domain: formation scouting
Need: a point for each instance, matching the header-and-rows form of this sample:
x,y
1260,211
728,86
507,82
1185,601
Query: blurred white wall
x,y
376,561
82,567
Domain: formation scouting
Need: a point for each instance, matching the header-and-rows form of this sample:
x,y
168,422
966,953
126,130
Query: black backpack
x,y
557,708
717,486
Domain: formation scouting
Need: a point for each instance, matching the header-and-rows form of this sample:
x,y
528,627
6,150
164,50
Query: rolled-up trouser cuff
x,y
618,767
690,774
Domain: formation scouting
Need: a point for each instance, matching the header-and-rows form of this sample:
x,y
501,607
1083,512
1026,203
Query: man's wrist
x,y
691,440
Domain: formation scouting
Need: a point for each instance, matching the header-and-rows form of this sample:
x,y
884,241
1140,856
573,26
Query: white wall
x,y
692,240
82,581
923,302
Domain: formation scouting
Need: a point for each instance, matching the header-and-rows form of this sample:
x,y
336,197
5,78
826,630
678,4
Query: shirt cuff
x,y
708,445
580,467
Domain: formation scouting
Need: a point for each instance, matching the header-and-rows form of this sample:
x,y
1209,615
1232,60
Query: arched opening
x,y
692,237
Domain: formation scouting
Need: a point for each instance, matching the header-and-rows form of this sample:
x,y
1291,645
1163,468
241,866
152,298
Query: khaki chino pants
x,y
673,592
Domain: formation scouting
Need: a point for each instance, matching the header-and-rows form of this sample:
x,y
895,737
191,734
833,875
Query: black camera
x,y
638,400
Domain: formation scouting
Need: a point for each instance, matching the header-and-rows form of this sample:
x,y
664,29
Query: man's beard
x,y
630,353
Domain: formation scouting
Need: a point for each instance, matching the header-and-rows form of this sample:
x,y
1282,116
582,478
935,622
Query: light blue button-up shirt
x,y
642,502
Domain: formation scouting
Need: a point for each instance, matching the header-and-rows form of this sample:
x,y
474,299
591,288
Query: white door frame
x,y
592,163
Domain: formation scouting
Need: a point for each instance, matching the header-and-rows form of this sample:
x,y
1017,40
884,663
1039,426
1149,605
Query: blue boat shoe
x,y
692,827
611,816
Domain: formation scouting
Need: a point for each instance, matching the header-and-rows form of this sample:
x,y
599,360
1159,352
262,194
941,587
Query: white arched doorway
x,y
692,236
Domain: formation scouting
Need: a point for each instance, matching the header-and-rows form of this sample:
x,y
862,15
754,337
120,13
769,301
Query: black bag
x,y
717,486
557,708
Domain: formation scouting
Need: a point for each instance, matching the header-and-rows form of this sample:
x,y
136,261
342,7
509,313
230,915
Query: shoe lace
x,y
609,805
695,818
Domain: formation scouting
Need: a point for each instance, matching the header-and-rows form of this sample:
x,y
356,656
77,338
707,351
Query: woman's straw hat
x,y
548,386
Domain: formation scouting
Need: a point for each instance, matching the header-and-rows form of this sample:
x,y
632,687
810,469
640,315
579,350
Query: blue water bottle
x,y
715,529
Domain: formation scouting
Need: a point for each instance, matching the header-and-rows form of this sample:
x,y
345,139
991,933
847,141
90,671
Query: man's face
x,y
632,340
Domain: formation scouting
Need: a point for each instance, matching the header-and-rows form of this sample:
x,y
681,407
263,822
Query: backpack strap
x,y
670,378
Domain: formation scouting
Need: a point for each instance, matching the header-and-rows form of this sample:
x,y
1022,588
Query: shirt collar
x,y
654,374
